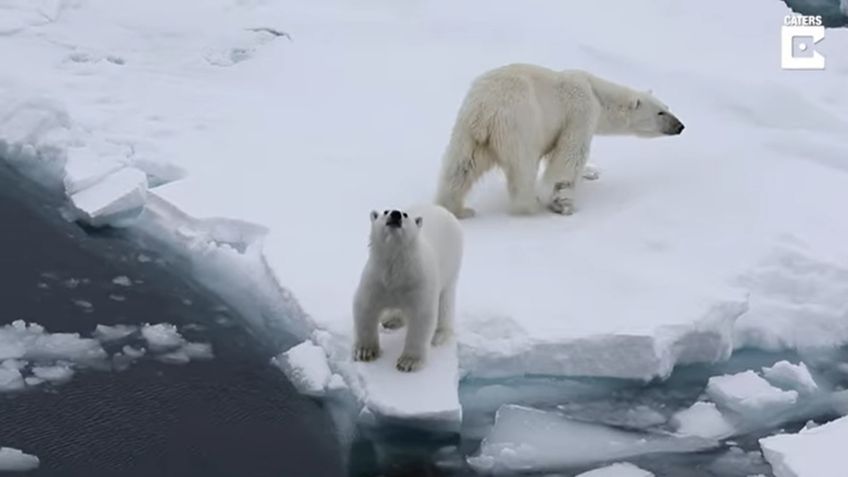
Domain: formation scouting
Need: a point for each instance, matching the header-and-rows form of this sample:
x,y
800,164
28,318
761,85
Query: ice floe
x,y
525,439
817,452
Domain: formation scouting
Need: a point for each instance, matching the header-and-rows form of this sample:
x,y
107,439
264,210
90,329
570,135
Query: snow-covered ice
x,y
685,249
817,452
791,376
622,469
529,439
748,393
122,280
15,460
703,419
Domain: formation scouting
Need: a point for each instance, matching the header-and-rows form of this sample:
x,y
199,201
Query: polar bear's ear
x,y
374,215
419,221
635,103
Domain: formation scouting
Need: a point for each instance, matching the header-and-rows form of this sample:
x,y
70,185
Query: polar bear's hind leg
x,y
444,324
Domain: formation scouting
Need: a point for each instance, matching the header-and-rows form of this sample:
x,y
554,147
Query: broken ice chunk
x,y
60,373
122,280
11,380
198,350
84,168
306,367
817,452
791,376
31,342
113,333
162,337
133,353
623,469
702,419
114,199
746,393
525,439
14,460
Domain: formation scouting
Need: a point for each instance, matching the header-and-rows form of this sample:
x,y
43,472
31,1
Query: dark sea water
x,y
232,416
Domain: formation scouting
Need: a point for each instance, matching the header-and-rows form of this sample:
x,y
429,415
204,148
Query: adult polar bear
x,y
516,115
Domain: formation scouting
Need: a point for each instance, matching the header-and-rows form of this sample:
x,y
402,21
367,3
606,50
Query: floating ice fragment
x,y
14,460
122,280
623,469
198,350
113,333
11,380
702,419
791,376
162,337
306,367
60,373
747,392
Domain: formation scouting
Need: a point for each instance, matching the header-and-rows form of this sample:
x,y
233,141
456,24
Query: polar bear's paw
x,y
366,352
562,205
441,336
409,363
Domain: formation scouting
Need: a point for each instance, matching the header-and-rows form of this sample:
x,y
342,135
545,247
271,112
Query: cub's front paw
x,y
408,363
366,352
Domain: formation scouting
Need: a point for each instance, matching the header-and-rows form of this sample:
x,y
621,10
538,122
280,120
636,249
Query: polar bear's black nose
x,y
394,218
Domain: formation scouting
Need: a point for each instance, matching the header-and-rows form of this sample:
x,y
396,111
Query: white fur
x,y
410,277
517,115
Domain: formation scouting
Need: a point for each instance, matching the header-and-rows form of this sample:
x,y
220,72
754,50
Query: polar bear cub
x,y
410,277
515,116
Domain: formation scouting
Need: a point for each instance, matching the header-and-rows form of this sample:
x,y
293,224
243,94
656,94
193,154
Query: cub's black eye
x,y
385,212
661,113
404,215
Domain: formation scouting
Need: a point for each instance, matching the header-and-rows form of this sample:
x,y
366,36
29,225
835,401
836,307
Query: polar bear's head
x,y
649,117
394,228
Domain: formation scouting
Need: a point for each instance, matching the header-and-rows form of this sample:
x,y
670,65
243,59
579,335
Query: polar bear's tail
x,y
465,160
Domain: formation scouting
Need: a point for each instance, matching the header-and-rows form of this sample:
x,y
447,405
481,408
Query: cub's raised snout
x,y
671,125
394,218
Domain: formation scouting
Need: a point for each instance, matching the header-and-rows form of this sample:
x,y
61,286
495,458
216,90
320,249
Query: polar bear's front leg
x,y
366,319
565,167
420,325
